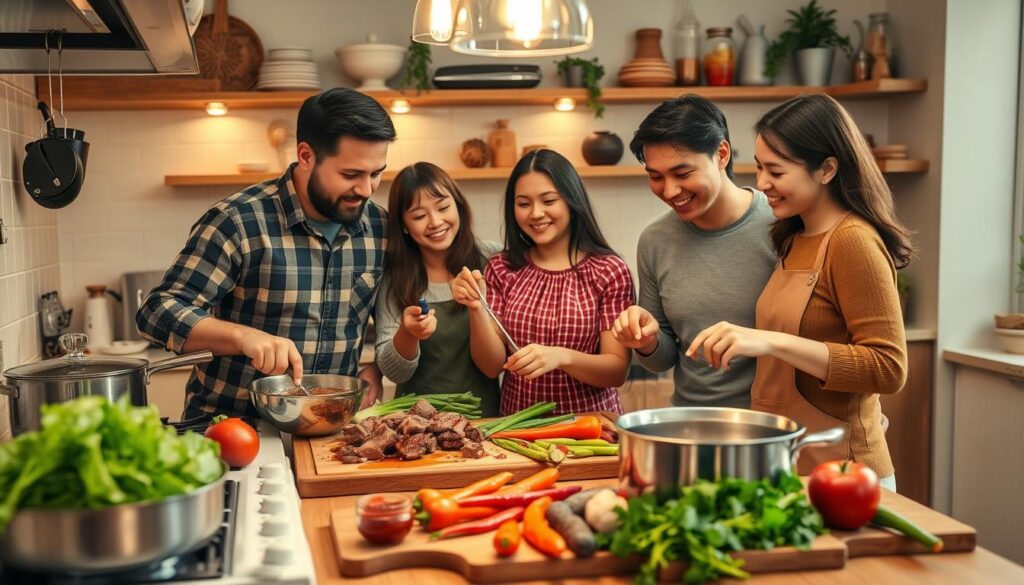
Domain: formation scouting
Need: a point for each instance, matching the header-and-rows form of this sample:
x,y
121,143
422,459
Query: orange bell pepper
x,y
584,427
538,532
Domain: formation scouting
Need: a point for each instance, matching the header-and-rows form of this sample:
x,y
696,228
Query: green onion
x,y
525,414
465,404
523,449
540,422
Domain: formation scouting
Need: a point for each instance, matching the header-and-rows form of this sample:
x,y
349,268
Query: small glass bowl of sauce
x,y
384,518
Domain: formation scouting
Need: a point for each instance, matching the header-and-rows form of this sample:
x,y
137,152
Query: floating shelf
x,y
481,97
501,174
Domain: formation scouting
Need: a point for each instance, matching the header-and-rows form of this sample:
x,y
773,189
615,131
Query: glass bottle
x,y
880,45
687,48
719,57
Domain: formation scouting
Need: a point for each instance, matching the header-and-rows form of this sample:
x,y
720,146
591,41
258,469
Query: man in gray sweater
x,y
704,261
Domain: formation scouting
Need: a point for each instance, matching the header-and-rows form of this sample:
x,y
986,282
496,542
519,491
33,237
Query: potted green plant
x,y
577,72
812,38
417,67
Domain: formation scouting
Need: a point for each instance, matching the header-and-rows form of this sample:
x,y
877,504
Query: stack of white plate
x,y
289,69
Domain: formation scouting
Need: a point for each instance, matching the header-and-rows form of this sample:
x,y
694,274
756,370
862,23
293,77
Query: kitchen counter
x,y
980,566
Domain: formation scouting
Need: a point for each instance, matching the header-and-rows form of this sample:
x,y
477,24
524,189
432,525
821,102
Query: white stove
x,y
260,541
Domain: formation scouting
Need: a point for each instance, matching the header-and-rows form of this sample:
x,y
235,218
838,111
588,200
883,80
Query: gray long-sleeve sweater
x,y
691,279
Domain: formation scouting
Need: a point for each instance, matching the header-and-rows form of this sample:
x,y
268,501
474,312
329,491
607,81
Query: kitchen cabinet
x,y
910,424
988,457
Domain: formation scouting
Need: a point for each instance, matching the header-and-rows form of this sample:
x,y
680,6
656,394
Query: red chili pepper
x,y
584,427
480,526
484,486
513,499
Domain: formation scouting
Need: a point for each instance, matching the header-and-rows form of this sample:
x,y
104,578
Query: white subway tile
x,y
114,159
6,156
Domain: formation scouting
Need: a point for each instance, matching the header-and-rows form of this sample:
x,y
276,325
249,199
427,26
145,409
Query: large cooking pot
x,y
109,539
64,379
665,448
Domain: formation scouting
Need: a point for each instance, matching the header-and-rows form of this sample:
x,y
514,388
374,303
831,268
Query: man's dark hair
x,y
326,117
689,122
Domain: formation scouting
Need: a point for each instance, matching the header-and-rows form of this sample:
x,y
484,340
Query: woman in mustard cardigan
x,y
829,334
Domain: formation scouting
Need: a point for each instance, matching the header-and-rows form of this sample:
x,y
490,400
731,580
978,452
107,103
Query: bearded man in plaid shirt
x,y
282,276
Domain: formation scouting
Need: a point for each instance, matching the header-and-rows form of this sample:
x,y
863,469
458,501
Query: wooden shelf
x,y
501,174
480,97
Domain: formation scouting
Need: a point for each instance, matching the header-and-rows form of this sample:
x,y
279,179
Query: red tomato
x,y
845,493
239,443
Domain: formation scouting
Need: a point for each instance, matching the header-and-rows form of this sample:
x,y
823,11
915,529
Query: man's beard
x,y
328,207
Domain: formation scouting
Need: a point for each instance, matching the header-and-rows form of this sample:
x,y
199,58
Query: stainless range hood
x,y
100,36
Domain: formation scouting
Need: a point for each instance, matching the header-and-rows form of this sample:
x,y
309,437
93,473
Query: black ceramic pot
x,y
602,148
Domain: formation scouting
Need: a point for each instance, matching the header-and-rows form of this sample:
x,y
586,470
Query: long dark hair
x,y
807,130
689,122
584,233
403,265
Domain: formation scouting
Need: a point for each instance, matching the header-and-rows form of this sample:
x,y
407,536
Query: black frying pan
x,y
54,167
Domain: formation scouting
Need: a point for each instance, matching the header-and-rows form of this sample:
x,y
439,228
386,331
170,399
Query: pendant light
x,y
522,28
432,21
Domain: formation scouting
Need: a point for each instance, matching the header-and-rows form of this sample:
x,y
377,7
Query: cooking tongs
x,y
501,328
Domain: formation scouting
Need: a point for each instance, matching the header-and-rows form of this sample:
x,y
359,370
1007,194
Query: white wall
x,y
28,261
126,219
976,237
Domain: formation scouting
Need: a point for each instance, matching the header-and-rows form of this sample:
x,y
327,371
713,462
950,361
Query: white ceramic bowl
x,y
371,63
1012,340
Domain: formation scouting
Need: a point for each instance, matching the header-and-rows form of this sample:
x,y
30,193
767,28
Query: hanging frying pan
x,y
54,167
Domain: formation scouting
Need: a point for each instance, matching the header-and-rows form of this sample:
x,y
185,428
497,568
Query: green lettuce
x,y
91,453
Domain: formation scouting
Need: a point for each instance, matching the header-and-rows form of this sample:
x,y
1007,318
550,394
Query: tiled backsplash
x,y
29,261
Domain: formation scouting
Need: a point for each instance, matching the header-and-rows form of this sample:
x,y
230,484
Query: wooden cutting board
x,y
474,558
872,542
318,473
228,50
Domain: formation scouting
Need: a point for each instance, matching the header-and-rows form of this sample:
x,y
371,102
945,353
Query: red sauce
x,y
384,518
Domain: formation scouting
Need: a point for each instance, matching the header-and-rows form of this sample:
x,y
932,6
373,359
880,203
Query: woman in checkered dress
x,y
557,288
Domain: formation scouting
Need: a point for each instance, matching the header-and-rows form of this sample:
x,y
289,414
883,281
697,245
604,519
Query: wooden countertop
x,y
980,566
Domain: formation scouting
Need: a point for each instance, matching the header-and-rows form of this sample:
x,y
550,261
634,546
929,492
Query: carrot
x,y
538,481
506,539
584,427
484,486
538,532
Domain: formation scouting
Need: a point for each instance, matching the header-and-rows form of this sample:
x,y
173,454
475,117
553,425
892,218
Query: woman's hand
x,y
468,288
533,361
418,325
723,341
636,328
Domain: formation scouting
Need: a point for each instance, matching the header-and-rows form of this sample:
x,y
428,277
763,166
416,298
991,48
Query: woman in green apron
x,y
430,239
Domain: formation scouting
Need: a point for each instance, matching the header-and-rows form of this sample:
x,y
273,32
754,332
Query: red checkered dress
x,y
566,308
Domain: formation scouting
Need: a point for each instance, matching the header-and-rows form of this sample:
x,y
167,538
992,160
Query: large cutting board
x,y
872,542
473,556
318,473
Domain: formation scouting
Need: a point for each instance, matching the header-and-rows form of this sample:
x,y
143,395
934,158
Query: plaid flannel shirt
x,y
253,259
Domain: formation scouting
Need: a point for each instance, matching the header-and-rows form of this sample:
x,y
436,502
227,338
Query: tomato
x,y
239,443
846,494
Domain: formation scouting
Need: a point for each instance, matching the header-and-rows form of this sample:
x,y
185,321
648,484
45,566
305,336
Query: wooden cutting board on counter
x,y
473,556
873,542
318,473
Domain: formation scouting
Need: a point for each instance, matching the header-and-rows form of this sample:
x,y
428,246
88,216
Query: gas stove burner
x,y
210,560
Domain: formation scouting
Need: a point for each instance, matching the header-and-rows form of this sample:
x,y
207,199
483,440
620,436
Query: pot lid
x,y
75,365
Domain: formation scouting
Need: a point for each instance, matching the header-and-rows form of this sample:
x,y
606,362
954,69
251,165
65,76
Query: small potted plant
x,y
586,73
1010,327
812,38
417,67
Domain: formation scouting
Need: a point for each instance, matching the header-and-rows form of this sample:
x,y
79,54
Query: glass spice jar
x,y
384,518
719,57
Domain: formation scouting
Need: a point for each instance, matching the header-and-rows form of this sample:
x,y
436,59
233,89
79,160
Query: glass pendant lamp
x,y
432,21
522,28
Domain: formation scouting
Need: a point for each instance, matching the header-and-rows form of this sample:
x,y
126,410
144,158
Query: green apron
x,y
445,364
